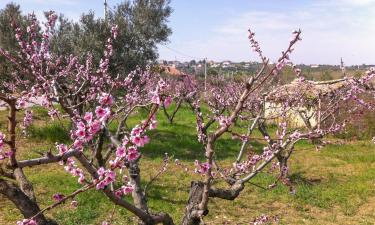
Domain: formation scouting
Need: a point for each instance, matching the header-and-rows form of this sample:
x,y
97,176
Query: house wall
x,y
273,110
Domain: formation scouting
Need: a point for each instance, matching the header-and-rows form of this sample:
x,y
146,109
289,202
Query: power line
x,y
181,53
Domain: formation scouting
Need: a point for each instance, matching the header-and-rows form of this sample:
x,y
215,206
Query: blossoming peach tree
x,y
93,98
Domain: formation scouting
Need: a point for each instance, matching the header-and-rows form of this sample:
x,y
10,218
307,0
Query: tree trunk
x,y
139,197
191,216
283,164
27,206
24,184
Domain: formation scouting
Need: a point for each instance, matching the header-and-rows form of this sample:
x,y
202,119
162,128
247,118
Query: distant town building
x,y
171,70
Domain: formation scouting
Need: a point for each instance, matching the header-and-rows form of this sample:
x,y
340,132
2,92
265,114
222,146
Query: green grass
x,y
51,132
333,186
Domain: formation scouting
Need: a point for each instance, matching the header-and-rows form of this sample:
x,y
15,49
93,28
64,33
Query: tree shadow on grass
x,y
299,178
156,194
182,143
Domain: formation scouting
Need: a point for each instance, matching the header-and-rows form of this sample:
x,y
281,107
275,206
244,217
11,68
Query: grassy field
x,y
333,186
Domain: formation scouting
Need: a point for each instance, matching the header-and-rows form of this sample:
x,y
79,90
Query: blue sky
x,y
217,29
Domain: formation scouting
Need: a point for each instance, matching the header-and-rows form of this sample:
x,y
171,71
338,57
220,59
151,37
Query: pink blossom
x,y
145,139
118,193
125,140
140,141
153,124
127,189
101,171
62,148
106,177
106,99
204,167
224,121
102,113
167,101
114,31
80,133
201,168
78,144
2,138
81,179
116,163
28,119
74,204
136,131
73,169
121,152
21,103
280,65
88,116
133,153
155,99
27,222
267,153
94,127
136,140
53,113
81,125
58,197
8,154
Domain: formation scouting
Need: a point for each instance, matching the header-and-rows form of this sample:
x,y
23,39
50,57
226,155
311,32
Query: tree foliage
x,y
142,26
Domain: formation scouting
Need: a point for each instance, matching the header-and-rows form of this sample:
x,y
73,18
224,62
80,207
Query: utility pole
x,y
105,10
342,67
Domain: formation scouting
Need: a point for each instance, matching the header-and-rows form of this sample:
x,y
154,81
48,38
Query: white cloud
x,y
52,2
351,2
328,33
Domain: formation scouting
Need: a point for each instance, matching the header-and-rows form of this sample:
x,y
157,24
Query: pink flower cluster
x,y
102,113
62,148
70,165
114,31
153,123
224,121
88,127
155,98
155,95
267,153
254,44
72,168
264,219
2,138
28,119
167,101
137,137
106,99
2,143
53,113
58,197
131,153
105,178
280,65
201,168
21,103
124,190
27,222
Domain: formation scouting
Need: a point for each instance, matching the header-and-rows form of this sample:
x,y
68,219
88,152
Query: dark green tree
x,y
142,26
11,14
